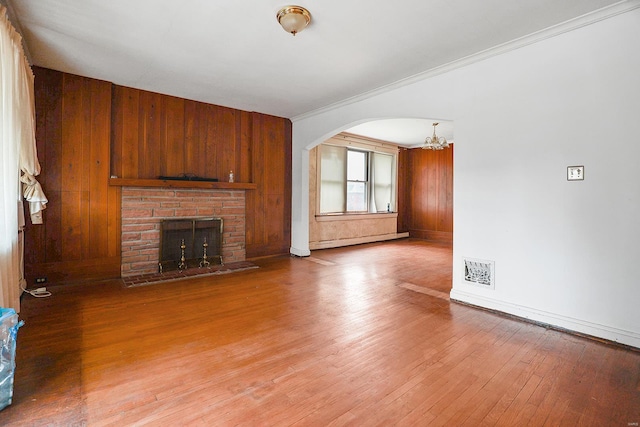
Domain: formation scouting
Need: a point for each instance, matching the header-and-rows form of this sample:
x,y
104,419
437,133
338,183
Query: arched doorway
x,y
424,208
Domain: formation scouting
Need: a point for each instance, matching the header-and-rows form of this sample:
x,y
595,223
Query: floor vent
x,y
479,272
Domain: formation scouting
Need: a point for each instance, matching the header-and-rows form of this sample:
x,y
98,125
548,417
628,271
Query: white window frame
x,y
366,182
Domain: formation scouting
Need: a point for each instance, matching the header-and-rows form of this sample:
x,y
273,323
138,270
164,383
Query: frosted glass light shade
x,y
293,18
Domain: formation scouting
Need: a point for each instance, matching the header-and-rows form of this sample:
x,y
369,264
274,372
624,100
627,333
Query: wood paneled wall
x,y
80,237
426,194
269,207
88,130
155,135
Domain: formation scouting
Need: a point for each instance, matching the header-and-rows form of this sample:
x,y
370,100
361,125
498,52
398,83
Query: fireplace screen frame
x,y
193,231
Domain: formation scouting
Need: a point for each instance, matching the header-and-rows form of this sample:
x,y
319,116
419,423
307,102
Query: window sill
x,y
356,216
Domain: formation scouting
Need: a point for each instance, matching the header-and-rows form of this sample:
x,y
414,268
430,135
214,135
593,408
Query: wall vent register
x,y
479,272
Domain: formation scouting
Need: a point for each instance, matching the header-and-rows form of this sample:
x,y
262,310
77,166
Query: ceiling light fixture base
x,y
293,18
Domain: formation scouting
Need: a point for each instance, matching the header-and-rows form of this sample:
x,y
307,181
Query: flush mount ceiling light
x,y
434,142
293,18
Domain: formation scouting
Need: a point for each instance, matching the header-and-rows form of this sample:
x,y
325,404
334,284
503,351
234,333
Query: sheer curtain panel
x,y
333,171
382,183
19,157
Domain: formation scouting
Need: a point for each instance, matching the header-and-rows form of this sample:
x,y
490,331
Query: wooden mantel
x,y
170,183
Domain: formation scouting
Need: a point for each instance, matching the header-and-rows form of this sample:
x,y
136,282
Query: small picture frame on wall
x,y
575,173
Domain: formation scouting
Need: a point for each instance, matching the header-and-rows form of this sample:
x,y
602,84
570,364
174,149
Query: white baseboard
x,y
576,325
299,252
326,244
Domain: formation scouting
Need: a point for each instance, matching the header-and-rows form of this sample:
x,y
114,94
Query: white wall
x,y
566,253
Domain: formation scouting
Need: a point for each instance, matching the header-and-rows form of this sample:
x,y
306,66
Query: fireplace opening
x,y
190,243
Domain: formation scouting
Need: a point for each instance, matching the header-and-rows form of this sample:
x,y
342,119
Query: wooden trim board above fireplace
x,y
127,182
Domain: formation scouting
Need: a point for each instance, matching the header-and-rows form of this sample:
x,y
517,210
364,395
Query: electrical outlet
x,y
41,280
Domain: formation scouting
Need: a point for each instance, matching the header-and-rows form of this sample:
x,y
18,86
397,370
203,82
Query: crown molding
x,y
619,8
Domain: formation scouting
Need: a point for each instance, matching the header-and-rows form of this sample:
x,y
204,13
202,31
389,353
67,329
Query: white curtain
x,y
333,169
19,159
382,183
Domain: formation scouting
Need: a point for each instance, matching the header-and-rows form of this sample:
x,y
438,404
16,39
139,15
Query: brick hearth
x,y
144,208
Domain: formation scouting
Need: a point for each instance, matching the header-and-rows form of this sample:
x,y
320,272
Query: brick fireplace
x,y
143,210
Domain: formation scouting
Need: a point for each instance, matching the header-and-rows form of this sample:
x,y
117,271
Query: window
x,y
355,180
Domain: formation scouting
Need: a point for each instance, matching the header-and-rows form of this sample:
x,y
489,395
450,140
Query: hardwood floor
x,y
359,336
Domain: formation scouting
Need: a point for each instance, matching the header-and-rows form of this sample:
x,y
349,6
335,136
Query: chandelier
x,y
434,142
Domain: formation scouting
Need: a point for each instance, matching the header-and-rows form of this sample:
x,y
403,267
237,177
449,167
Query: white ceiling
x,y
235,54
405,132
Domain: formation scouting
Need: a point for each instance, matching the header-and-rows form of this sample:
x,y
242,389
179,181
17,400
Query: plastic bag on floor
x,y
9,325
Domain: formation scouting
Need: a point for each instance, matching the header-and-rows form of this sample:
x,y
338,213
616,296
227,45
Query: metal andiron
x,y
204,262
182,265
